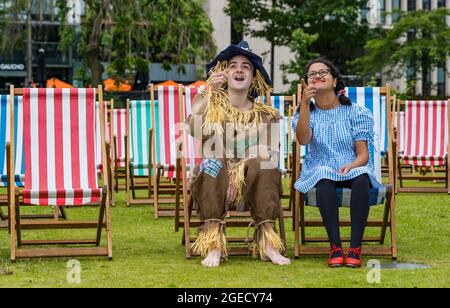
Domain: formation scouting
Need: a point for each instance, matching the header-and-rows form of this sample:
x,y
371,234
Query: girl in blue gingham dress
x,y
338,136
332,145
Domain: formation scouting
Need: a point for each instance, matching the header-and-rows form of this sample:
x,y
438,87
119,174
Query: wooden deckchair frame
x,y
154,184
118,172
385,161
16,224
110,156
57,212
301,241
399,176
171,187
238,245
290,102
134,183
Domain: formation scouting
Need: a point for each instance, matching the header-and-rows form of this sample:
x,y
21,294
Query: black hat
x,y
240,49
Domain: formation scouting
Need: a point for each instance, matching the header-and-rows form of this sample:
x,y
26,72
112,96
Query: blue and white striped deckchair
x,y
371,99
278,102
19,170
383,127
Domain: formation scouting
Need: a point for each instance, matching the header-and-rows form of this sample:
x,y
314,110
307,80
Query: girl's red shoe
x,y
336,258
353,257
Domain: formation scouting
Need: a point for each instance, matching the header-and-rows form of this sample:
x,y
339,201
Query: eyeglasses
x,y
322,73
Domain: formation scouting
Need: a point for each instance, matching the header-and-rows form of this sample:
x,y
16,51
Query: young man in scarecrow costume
x,y
240,165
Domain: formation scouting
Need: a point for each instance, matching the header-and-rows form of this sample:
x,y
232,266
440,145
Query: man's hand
x,y
218,79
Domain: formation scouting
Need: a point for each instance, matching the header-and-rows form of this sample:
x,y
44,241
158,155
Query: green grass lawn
x,y
148,253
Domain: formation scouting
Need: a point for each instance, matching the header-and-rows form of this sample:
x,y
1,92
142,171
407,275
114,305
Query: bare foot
x,y
212,259
274,255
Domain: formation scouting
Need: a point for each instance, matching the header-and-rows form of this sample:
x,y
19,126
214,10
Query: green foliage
x,y
394,53
335,25
148,253
372,83
300,45
136,33
66,32
12,34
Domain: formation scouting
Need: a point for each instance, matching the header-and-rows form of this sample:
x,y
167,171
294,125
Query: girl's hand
x,y
345,169
309,92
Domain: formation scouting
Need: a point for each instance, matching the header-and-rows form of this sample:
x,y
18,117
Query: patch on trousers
x,y
211,167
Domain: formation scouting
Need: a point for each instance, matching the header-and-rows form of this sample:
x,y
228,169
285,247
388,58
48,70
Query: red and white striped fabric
x,y
98,142
169,127
192,146
120,129
59,146
400,130
426,133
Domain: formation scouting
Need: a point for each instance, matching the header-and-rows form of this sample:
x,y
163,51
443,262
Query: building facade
x,y
385,13
379,12
62,65
44,24
223,35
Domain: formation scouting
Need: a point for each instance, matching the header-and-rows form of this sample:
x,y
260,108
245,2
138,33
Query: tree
x,y
340,34
427,46
14,34
300,45
130,34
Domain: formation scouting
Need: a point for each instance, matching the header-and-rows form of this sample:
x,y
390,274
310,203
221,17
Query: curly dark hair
x,y
340,85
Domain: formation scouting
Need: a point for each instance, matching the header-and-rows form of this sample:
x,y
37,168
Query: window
x,y
411,34
237,31
411,5
441,3
411,73
426,4
45,10
427,84
411,79
441,81
381,8
395,10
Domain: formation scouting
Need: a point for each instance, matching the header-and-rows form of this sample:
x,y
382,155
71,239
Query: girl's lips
x,y
317,81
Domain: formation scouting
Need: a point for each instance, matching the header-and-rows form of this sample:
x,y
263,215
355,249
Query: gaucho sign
x,y
11,67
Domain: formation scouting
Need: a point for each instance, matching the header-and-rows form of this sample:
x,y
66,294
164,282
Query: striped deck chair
x,y
98,145
426,134
399,141
143,137
167,118
283,103
19,165
60,170
190,148
384,135
138,154
120,128
369,98
399,119
19,168
235,218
